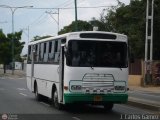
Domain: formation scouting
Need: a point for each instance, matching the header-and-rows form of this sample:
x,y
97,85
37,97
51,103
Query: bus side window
x,y
59,46
36,53
38,45
59,49
29,53
51,51
41,52
56,51
45,52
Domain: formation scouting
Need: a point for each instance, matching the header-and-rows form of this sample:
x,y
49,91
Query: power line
x,y
37,19
68,7
79,2
57,21
64,3
42,20
67,3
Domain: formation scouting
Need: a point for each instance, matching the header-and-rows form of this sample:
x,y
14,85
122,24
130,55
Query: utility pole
x,y
27,34
76,24
149,42
57,21
13,9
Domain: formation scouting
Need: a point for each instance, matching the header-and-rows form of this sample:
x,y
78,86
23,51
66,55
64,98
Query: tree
x,y
82,25
18,45
156,31
5,50
98,23
6,45
40,37
130,20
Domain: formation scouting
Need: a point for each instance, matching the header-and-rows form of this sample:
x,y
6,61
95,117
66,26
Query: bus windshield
x,y
88,53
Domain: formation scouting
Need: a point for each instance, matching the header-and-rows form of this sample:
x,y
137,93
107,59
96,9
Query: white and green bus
x,y
88,67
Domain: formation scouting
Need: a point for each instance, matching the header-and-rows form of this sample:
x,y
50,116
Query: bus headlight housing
x,y
119,86
75,86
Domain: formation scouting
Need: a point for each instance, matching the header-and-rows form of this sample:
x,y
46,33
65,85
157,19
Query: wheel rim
x,y
36,93
55,98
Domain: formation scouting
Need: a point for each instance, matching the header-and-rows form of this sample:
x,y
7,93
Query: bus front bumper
x,y
95,98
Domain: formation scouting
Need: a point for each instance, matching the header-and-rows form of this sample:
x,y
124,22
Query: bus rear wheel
x,y
56,104
108,106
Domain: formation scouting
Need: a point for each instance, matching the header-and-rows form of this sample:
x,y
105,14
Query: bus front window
x,y
97,54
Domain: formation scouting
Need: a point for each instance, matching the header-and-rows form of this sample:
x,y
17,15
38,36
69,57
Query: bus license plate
x,y
97,98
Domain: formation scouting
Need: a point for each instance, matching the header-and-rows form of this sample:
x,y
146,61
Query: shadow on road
x,y
81,108
85,109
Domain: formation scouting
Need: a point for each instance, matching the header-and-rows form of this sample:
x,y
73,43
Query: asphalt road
x,y
150,96
19,103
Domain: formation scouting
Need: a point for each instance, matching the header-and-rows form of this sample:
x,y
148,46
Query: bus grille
x,y
97,83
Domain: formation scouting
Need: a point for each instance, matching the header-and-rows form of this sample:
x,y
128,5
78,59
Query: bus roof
x,y
77,35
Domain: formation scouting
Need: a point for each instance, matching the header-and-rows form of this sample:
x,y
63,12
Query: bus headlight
x,y
76,87
119,88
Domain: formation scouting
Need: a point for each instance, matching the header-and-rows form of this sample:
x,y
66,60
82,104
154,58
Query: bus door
x,y
61,73
32,65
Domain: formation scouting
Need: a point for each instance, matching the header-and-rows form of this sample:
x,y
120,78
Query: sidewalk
x,y
17,73
138,97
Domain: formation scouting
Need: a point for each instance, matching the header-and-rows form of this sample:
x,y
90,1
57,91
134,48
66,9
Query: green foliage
x,y
6,47
39,37
100,24
130,20
156,31
18,45
82,26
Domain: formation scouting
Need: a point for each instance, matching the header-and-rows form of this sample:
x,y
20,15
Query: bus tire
x,y
108,106
37,95
56,104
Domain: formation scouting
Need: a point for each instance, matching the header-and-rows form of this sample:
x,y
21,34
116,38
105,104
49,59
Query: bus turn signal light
x,y
65,87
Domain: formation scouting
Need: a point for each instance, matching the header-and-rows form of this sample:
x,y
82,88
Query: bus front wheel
x,y
37,95
57,105
108,107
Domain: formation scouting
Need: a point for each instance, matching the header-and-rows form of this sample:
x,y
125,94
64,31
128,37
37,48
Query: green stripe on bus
x,y
89,98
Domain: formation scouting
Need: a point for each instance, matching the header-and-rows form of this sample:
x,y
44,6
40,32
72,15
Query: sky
x,y
35,22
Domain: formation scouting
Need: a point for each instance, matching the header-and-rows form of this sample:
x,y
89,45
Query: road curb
x,y
144,105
